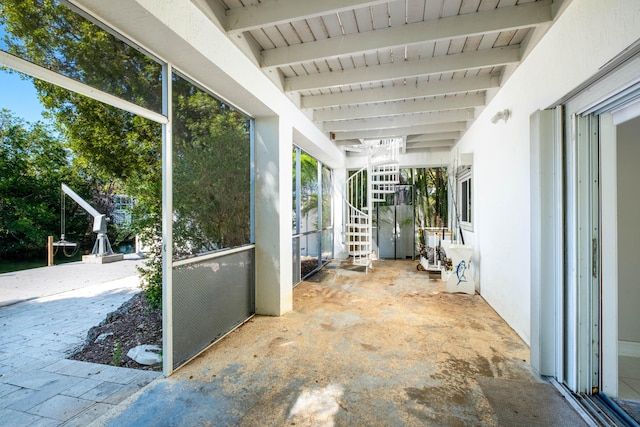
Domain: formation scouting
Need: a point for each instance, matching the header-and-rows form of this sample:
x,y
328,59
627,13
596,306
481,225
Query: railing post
x,y
49,250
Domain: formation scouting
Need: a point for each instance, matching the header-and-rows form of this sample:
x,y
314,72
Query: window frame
x,y
465,199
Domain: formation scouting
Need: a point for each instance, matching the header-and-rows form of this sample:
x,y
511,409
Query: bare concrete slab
x,y
388,348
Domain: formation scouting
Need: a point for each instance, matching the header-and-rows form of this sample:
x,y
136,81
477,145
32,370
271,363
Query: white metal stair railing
x,y
384,179
384,168
364,188
358,222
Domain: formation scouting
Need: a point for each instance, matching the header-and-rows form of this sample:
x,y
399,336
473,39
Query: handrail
x,y
363,189
307,233
209,256
358,222
353,196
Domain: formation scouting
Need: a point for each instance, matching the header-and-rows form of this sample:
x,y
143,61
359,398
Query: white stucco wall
x,y
586,36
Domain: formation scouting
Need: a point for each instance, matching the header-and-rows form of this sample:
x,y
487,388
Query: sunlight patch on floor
x,y
318,407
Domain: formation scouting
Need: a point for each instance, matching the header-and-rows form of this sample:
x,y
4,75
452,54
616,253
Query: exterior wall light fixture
x,y
501,115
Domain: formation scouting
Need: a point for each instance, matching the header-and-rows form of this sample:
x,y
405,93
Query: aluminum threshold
x,y
596,410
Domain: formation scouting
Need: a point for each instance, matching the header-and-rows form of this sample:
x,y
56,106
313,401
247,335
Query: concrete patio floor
x,y
388,348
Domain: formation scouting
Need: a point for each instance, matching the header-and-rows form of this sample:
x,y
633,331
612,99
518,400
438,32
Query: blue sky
x,y
18,95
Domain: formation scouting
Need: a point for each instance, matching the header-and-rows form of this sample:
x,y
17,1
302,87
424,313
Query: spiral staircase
x,y
366,187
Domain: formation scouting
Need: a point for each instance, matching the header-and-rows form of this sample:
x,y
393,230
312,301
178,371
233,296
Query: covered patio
x,y
387,348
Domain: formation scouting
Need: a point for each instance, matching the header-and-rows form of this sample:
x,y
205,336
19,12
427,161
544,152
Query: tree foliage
x,y
310,190
211,141
211,174
111,147
108,141
431,197
33,164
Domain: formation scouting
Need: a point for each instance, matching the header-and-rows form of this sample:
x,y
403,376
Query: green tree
x,y
109,145
211,174
33,164
308,183
431,197
211,141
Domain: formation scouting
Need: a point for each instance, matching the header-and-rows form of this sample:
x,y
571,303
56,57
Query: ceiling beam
x,y
395,93
400,132
398,121
432,137
428,149
406,69
398,107
431,144
213,10
459,26
282,11
344,142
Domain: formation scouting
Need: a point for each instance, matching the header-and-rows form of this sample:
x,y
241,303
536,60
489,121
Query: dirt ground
x,y
130,325
390,347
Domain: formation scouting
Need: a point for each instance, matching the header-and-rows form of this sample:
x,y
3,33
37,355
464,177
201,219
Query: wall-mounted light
x,y
501,115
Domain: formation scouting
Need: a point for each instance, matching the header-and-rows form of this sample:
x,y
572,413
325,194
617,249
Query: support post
x,y
340,249
546,242
274,247
49,251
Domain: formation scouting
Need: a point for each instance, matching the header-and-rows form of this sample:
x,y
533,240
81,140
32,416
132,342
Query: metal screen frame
x,y
212,295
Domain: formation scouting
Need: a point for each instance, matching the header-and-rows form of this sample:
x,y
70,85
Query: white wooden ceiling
x,y
364,69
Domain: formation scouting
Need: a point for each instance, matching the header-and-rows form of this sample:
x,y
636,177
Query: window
x,y
465,199
312,213
211,173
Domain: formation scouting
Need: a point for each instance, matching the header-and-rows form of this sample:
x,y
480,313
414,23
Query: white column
x,y
339,183
609,252
273,208
546,243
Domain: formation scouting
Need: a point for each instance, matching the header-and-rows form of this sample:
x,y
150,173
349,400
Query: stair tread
x,y
375,174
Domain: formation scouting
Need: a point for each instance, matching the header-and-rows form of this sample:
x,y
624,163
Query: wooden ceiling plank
x,y
398,107
451,8
404,120
397,13
436,65
316,26
363,19
469,6
400,132
415,10
497,20
426,137
303,30
425,89
380,16
276,37
274,13
261,38
349,23
332,24
433,9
